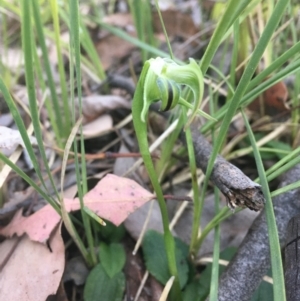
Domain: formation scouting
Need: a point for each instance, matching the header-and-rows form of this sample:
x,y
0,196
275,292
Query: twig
x,y
292,260
252,260
238,189
103,155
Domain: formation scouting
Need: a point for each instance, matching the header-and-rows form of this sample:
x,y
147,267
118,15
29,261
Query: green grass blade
x,y
214,283
218,218
232,12
75,47
224,79
283,169
246,77
22,129
277,77
286,188
141,12
30,83
65,215
164,30
256,86
93,65
80,168
94,216
40,78
61,67
168,147
289,160
89,47
276,64
234,58
193,169
242,86
275,250
250,96
57,124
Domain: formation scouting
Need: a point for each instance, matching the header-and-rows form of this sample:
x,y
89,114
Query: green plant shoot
x,y
161,79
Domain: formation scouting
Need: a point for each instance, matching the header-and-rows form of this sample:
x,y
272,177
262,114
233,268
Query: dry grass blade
x,y
166,290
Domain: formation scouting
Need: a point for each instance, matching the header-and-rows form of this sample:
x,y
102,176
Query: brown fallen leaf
x,y
111,49
29,270
273,101
176,23
113,199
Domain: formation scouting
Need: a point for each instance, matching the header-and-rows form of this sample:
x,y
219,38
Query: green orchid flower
x,y
162,79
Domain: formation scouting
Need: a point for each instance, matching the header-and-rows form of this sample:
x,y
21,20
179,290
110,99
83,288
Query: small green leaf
x,y
112,258
156,258
99,286
195,291
198,289
112,233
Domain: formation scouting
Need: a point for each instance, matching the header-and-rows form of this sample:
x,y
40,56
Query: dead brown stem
x,y
238,189
252,261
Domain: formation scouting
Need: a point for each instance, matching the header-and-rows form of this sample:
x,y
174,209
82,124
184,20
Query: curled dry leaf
x,y
38,276
11,139
113,199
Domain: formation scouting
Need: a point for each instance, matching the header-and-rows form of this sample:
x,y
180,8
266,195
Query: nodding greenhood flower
x,y
162,79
